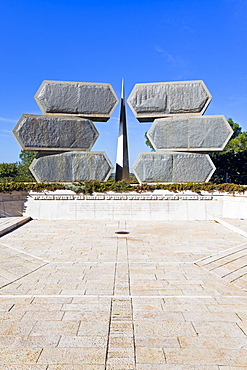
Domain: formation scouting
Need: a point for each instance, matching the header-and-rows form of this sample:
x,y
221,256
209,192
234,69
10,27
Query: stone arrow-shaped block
x,y
190,133
151,167
155,100
95,101
71,166
59,133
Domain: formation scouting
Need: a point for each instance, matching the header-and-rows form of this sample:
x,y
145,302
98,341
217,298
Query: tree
x,y
24,173
27,157
8,171
231,164
237,144
148,142
19,171
236,128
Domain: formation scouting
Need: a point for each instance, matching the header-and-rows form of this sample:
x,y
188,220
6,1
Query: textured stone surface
x,y
155,100
71,166
173,167
185,133
55,133
90,100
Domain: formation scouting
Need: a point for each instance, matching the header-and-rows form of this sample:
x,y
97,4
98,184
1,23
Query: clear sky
x,y
103,41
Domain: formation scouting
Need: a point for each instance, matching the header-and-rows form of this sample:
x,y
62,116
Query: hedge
x,y
89,187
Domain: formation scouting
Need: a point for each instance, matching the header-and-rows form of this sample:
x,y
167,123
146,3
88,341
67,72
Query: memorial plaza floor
x,y
77,295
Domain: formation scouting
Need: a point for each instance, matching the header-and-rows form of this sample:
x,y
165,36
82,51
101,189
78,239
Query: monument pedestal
x,y
156,206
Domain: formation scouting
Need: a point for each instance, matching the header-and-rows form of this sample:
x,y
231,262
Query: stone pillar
x,y
122,161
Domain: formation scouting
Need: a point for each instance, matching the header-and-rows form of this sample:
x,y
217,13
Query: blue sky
x,y
103,41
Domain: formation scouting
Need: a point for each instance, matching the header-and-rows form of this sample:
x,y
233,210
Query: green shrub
x,y
89,187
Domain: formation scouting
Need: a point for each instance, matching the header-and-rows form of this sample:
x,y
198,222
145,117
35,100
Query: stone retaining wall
x,y
13,204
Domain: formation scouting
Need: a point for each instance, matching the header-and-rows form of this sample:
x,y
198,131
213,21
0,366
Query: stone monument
x,y
122,160
65,134
180,133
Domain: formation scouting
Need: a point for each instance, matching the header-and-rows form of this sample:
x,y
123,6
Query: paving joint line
x,y
21,277
163,350
231,272
232,281
11,307
241,329
42,349
108,337
119,296
60,337
131,303
27,254
110,316
121,262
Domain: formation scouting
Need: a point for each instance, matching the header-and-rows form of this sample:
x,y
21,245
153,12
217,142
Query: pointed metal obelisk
x,y
122,162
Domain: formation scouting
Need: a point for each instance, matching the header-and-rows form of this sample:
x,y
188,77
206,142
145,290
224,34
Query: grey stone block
x,y
71,166
89,100
151,167
156,100
186,133
55,133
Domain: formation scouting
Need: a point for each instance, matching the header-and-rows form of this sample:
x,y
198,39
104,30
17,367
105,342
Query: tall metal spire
x,y
122,162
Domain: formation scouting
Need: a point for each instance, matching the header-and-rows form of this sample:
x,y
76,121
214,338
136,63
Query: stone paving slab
x,y
104,301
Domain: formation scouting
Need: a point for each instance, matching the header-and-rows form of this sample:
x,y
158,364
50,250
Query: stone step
x,y
235,274
9,223
223,259
230,265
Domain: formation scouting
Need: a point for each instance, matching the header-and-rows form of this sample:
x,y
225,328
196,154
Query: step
x,y
8,224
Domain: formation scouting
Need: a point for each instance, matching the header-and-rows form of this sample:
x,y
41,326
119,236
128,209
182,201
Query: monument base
x,y
159,205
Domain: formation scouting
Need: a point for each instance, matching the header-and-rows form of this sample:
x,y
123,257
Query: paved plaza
x,y
78,295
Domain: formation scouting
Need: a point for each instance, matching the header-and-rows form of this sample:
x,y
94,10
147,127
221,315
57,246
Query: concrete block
x,y
71,166
161,167
156,100
55,133
95,101
190,133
